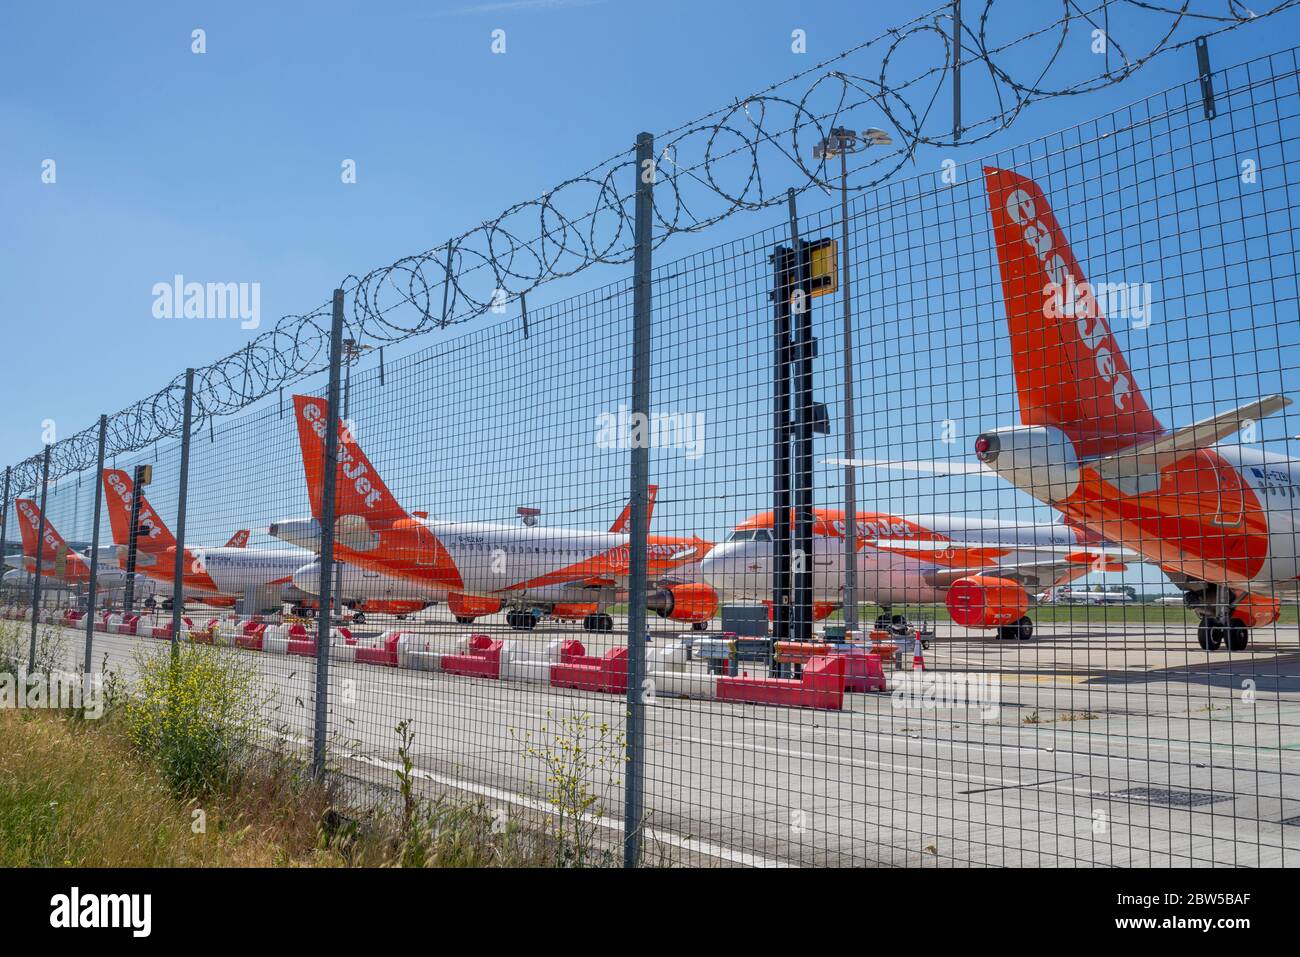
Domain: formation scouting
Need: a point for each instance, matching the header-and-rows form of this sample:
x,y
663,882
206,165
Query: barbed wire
x,y
708,169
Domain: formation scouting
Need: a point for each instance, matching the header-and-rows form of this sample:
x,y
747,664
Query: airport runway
x,y
1111,744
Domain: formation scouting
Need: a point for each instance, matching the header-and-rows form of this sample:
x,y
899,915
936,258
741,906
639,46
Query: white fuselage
x,y
515,563
742,569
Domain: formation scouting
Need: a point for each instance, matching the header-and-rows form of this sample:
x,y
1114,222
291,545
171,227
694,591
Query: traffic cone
x,y
918,659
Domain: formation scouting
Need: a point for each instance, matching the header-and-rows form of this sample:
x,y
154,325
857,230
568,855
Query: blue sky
x,y
225,166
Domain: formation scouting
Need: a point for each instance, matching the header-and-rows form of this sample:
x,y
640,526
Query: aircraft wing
x,y
920,467
1035,566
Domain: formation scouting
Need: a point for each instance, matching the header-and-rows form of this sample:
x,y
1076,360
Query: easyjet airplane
x,y
367,590
57,561
477,567
1219,519
984,571
214,576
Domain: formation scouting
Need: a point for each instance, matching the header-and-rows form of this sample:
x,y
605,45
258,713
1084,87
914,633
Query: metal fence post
x,y
802,458
178,573
4,520
133,543
633,789
40,541
327,540
94,545
781,525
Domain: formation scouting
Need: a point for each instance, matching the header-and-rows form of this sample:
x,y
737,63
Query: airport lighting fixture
x,y
841,142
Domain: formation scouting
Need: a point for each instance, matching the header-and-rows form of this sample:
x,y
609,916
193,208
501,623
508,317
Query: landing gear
x,y
1022,630
359,618
1211,633
598,621
700,626
1214,604
467,619
898,627
521,620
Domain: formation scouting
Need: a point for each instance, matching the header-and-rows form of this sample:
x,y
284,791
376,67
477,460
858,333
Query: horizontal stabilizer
x,y
930,467
1154,455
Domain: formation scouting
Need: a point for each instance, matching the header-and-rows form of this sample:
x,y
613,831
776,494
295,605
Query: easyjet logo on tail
x,y
1069,372
351,469
27,509
148,521
1066,297
29,513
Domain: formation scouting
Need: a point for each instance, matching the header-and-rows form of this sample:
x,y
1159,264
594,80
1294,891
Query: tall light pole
x,y
841,142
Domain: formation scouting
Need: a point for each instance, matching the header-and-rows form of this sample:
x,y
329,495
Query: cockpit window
x,y
741,537
751,535
762,535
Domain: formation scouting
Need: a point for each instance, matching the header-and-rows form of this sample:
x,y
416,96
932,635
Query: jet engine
x,y
983,601
690,602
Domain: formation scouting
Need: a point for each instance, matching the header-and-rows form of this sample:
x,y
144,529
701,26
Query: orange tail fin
x,y
239,539
1069,372
359,489
623,524
29,523
153,535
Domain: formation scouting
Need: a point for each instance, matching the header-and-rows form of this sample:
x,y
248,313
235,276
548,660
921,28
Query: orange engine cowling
x,y
982,601
572,612
472,606
691,602
1255,611
391,606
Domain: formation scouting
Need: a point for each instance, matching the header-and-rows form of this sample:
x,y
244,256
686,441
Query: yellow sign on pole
x,y
823,258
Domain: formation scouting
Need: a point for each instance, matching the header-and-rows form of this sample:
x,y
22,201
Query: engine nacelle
x,y
982,601
390,606
1256,611
573,612
691,602
472,606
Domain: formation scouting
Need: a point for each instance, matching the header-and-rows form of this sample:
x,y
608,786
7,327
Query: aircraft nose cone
x,y
726,567
712,563
307,578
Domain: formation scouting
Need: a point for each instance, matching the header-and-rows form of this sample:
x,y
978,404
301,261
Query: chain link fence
x,y
945,522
